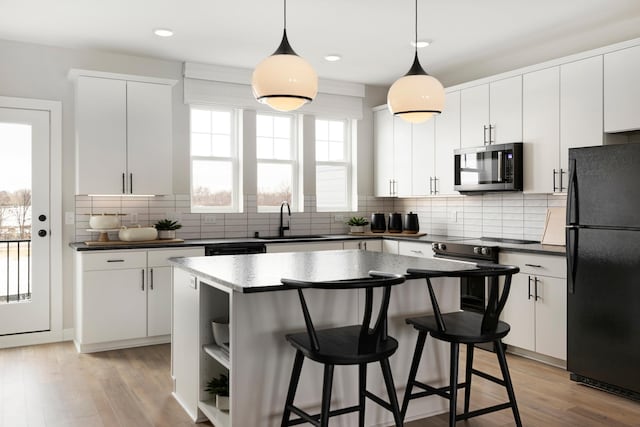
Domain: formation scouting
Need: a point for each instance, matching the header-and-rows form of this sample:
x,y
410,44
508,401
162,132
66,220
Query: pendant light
x,y
284,80
416,96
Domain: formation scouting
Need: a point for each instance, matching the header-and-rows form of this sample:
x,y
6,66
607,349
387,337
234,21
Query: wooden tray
x,y
386,233
138,242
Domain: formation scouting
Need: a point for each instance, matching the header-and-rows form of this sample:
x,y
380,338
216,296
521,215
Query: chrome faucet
x,y
282,228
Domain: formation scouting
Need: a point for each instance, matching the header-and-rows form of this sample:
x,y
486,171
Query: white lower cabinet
x,y
537,305
123,298
367,245
390,246
417,249
303,246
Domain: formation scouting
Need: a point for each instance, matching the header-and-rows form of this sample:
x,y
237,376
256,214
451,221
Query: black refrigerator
x,y
603,267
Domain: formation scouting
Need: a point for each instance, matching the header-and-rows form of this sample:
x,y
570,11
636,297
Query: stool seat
x,y
463,327
341,346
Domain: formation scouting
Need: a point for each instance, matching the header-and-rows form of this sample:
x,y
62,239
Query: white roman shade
x,y
217,85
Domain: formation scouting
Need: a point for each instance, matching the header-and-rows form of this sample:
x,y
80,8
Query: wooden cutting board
x,y
139,242
386,233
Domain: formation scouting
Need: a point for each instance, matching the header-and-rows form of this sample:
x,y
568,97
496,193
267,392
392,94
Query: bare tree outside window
x,y
21,209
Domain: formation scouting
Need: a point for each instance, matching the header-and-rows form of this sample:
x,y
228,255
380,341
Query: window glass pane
x,y
336,131
336,151
282,127
322,150
221,146
281,149
211,183
274,184
200,144
264,125
264,148
221,122
322,130
331,188
200,120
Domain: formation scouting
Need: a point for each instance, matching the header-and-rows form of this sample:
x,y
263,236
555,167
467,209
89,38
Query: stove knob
x,y
486,251
476,250
434,246
443,247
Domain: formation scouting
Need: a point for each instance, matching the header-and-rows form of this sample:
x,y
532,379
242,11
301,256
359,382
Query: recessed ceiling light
x,y
421,43
333,58
163,32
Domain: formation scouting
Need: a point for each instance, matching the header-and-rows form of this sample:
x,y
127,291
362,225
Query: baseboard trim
x,y
32,338
559,363
116,345
68,334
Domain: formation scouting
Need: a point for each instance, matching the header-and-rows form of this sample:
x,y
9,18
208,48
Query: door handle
x,y
123,189
529,289
430,185
151,279
492,129
572,249
131,183
435,185
535,283
390,190
555,187
573,214
143,279
485,134
365,246
562,172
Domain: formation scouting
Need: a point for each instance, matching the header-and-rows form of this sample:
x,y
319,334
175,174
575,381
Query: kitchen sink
x,y
300,237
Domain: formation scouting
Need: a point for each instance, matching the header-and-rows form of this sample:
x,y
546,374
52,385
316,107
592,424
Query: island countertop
x,y
263,272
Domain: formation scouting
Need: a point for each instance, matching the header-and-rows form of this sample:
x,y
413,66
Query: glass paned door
x,y
24,221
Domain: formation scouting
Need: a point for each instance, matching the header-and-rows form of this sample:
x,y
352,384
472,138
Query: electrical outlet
x,y
69,218
338,218
209,219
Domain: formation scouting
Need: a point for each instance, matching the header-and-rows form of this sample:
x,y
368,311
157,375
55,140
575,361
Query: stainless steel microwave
x,y
488,168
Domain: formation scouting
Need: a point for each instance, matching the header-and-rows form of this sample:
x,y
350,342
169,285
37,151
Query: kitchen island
x,y
247,290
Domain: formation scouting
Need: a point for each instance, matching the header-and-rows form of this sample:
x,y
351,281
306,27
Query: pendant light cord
x,y
285,15
416,39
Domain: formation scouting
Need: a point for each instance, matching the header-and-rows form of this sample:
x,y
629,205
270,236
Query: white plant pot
x,y
222,402
357,228
166,234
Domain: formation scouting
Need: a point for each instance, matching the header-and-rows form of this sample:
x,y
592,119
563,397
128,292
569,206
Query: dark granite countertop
x,y
263,272
515,247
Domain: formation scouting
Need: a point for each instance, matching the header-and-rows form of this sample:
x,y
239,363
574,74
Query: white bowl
x,y
137,234
104,222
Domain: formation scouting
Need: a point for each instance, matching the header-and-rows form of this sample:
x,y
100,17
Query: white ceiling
x,y
472,38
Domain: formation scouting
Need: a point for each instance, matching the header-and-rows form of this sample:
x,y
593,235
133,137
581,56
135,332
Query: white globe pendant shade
x,y
284,81
416,96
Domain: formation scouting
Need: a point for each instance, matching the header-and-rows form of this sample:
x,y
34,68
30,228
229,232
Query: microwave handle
x,y
500,167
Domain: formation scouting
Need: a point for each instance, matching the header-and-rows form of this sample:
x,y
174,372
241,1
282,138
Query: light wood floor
x,y
52,385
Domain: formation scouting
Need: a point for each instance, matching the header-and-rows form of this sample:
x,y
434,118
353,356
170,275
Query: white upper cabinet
x,y
580,109
622,90
492,113
383,154
447,140
422,158
402,153
474,116
123,135
541,130
505,110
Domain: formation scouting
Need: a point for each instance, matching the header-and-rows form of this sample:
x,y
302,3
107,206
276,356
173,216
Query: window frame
x,y
348,164
234,159
294,161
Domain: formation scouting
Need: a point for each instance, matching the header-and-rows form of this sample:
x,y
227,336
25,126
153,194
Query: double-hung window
x,y
215,160
277,161
334,169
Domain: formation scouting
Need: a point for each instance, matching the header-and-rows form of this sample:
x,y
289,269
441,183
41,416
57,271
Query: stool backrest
x,y
496,301
369,336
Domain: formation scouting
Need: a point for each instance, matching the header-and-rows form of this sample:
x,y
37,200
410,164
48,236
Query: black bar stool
x,y
468,328
348,345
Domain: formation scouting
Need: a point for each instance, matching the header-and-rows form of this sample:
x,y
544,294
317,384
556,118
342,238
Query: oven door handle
x,y
500,167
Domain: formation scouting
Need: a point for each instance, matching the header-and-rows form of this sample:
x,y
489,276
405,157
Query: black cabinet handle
x,y
529,289
535,283
555,187
533,265
115,260
123,189
131,183
143,279
151,278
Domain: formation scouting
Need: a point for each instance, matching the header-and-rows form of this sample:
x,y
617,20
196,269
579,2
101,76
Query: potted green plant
x,y
219,386
167,228
357,223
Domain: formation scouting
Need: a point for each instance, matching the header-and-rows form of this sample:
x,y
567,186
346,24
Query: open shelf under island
x,y
247,289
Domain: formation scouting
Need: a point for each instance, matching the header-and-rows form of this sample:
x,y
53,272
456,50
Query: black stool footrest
x,y
379,401
315,419
430,390
489,377
483,411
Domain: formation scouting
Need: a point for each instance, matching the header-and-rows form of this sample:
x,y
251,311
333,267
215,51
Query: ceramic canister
x,y
411,224
378,223
395,223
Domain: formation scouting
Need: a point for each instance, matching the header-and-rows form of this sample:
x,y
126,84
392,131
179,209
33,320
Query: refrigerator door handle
x,y
572,195
572,257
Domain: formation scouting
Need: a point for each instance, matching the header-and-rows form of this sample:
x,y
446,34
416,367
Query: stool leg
x,y
391,391
507,381
361,396
453,383
326,395
415,363
293,385
467,379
